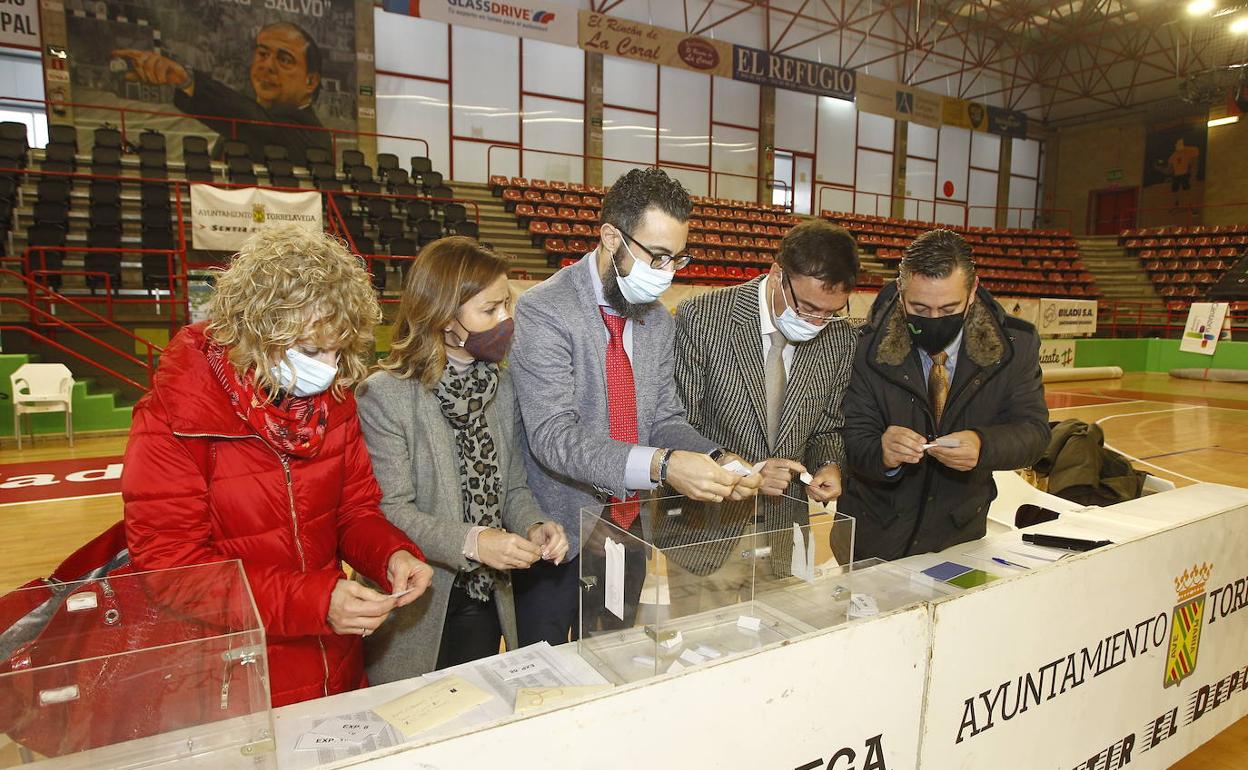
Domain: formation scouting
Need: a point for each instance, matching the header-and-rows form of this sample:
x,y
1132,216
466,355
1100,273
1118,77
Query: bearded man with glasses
x,y
592,367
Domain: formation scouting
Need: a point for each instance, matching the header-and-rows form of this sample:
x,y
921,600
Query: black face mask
x,y
934,334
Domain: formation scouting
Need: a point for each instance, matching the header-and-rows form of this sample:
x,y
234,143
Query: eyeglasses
x,y
659,261
839,315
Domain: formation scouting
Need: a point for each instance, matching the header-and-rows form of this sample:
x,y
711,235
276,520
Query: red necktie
x,y
621,407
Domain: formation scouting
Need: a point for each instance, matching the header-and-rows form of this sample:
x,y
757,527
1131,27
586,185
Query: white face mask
x,y
309,376
794,328
643,284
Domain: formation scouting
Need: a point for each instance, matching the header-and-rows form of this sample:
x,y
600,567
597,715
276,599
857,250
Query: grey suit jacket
x,y
414,458
558,363
719,368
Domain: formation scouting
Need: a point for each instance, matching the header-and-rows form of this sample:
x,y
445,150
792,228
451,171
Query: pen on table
x,y
1008,563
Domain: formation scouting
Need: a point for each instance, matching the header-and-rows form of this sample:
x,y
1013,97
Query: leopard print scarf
x,y
463,397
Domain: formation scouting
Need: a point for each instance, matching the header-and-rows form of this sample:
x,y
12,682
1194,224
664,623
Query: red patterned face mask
x,y
293,425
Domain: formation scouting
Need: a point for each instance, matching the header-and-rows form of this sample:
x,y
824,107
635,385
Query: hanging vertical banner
x,y
258,72
754,65
550,22
19,23
899,102
655,45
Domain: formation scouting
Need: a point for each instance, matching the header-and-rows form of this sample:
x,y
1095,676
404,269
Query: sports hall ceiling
x,y
1061,62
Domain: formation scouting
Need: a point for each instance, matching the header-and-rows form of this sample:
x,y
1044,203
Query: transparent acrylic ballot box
x,y
139,670
668,583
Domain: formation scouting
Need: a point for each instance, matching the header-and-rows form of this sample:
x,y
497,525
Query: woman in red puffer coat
x,y
248,447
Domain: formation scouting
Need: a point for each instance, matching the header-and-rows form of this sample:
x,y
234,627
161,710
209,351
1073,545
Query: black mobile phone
x,y
1067,543
1029,515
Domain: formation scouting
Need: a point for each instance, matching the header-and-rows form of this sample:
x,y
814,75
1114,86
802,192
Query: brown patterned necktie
x,y
938,384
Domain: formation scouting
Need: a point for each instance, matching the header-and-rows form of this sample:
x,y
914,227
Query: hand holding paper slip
x,y
431,705
735,466
948,443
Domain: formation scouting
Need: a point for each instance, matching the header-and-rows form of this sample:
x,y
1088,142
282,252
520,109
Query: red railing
x,y
335,134
35,290
1190,215
712,177
33,260
1142,319
924,210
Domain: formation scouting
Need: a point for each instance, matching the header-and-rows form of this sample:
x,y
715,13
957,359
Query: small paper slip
x,y
643,660
806,478
673,642
315,741
432,705
354,730
707,651
672,669
749,623
758,466
530,698
691,657
802,564
862,606
735,466
615,578
526,668
401,594
947,443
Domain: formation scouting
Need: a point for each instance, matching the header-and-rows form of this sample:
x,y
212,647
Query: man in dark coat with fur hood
x,y
945,390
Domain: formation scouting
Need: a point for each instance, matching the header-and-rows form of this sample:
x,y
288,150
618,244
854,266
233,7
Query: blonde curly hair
x,y
283,279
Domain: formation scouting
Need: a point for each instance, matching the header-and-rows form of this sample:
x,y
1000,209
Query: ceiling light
x,y
1200,7
1223,121
1240,25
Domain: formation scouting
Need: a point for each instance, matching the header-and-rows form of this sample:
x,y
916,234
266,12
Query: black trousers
x,y
548,600
471,630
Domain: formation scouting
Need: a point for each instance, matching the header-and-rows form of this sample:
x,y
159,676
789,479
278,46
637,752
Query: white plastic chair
x,y
39,388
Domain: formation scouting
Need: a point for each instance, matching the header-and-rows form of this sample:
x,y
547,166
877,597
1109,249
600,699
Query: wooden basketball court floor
x,y
1183,430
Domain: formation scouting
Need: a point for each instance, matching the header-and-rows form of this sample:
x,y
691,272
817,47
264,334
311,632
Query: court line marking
x,y
1115,399
1098,406
1171,410
58,499
1135,459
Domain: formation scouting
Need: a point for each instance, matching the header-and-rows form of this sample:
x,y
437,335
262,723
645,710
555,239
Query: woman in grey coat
x,y
441,427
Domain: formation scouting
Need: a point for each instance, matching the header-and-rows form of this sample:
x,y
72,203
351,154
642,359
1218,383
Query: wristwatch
x,y
717,454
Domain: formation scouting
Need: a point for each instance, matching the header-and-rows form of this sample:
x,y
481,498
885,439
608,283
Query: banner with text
x,y
1204,326
754,65
1075,317
655,45
899,102
224,219
19,23
1129,656
550,22
1057,354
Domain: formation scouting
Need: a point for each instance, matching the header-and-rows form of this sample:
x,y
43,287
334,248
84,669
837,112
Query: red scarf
x,y
293,425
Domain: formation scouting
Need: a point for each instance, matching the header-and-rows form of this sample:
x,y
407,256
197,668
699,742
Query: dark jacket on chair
x,y
996,391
